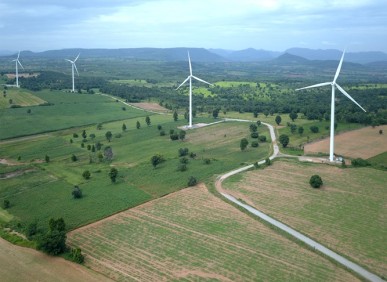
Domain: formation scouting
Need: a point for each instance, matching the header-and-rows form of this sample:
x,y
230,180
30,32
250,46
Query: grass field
x,y
65,110
19,97
362,143
347,214
193,236
43,190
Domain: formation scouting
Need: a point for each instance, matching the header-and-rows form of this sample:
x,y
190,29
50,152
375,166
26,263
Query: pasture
x,y
362,143
19,97
347,214
192,235
63,110
44,189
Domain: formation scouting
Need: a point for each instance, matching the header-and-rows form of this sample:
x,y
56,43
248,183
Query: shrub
x,y
254,134
86,174
182,167
6,204
77,192
31,230
207,161
159,127
174,136
171,131
184,160
262,138
267,161
284,140
315,181
359,162
77,256
75,135
74,158
192,155
183,152
47,159
192,181
254,144
314,129
162,133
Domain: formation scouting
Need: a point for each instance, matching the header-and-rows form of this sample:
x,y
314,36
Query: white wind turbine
x,y
334,84
17,70
73,66
190,89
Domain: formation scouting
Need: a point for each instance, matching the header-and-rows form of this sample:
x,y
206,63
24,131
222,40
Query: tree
x,y
175,116
278,120
123,127
182,167
47,159
76,255
74,158
113,174
54,241
267,161
182,134
293,116
192,181
156,160
92,136
380,131
138,125
243,144
108,135
284,140
183,152
293,128
259,122
108,153
314,129
147,120
255,113
266,113
262,138
86,174
254,135
300,130
84,135
215,113
253,127
99,126
159,127
254,144
77,192
315,181
57,224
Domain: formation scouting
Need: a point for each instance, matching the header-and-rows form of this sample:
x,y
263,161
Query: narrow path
x,y
340,259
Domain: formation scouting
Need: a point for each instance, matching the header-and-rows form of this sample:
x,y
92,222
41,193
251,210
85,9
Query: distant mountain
x,y
154,54
246,55
288,59
333,54
6,52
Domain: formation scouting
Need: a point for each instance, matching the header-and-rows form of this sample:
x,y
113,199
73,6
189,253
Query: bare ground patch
x,y
23,264
361,143
193,235
150,107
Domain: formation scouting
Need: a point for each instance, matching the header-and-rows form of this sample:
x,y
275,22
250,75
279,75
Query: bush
x,y
31,230
315,181
86,174
76,255
207,161
284,140
314,129
6,204
174,136
262,138
74,158
75,135
254,144
77,192
162,133
182,167
192,155
359,162
192,181
183,152
267,161
254,134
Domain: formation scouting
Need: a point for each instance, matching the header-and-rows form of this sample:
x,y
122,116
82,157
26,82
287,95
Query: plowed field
x,y
191,235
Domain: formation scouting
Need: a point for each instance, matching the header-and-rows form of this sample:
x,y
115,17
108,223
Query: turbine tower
x,y
73,66
17,70
190,89
334,85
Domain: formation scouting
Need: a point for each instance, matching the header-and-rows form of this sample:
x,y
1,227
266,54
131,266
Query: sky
x,y
39,25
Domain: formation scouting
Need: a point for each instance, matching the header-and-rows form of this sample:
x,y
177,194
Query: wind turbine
x,y
190,89
73,66
17,70
334,85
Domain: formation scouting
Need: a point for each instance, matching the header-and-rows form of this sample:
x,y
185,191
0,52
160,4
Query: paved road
x,y
340,259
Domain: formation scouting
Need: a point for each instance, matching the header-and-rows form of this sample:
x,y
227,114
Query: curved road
x,y
340,259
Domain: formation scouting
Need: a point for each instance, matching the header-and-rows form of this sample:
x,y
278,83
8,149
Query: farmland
x,y
192,235
343,215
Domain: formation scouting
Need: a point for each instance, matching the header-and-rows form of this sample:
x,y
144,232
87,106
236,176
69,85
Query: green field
x,y
347,214
45,189
64,110
19,97
193,236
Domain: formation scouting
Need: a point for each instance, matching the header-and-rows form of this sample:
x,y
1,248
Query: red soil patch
x,y
361,143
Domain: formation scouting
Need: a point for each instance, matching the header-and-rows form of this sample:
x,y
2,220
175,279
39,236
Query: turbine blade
x,y
348,96
197,78
183,82
315,85
190,67
18,55
75,66
69,61
77,58
20,64
339,67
